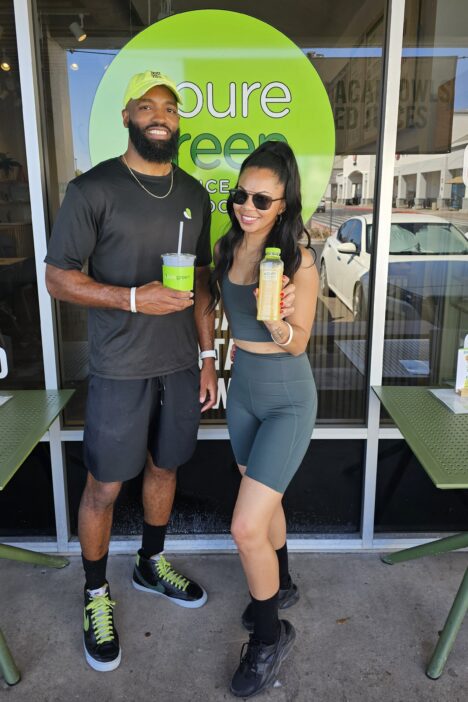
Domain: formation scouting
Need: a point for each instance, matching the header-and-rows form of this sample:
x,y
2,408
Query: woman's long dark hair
x,y
278,157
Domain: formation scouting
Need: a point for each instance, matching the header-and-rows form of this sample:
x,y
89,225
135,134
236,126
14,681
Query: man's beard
x,y
160,151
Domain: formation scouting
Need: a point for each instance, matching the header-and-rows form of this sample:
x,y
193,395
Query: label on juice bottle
x,y
269,275
269,295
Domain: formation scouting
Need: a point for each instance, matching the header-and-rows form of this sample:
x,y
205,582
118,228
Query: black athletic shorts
x,y
127,418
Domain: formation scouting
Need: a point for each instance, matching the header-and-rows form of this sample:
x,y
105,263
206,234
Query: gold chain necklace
x,y
158,197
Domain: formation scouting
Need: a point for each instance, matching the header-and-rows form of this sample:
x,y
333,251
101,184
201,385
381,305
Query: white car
x,y
322,206
428,261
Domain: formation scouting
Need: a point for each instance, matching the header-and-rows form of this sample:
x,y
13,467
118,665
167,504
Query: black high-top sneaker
x,y
157,576
101,641
286,598
259,666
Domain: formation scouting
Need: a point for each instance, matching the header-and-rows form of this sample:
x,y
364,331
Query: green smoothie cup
x,y
178,270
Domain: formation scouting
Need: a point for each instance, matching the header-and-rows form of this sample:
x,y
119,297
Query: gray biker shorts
x,y
127,418
271,411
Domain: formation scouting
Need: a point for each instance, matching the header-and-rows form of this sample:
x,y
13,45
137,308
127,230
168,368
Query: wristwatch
x,y
212,353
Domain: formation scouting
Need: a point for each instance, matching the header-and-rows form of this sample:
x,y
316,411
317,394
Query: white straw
x,y
181,229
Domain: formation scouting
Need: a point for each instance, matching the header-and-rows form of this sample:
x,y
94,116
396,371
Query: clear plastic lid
x,y
178,260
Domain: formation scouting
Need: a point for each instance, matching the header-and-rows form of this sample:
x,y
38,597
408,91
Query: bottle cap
x,y
272,251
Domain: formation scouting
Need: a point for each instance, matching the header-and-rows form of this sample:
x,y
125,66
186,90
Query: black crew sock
x,y
265,616
284,577
95,572
153,539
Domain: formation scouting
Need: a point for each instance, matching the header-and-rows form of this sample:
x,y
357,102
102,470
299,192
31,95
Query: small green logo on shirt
x,y
187,213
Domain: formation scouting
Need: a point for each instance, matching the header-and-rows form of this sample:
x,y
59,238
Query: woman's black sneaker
x,y
101,641
259,666
286,598
157,576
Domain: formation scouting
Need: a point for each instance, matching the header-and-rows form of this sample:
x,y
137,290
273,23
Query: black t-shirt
x,y
108,218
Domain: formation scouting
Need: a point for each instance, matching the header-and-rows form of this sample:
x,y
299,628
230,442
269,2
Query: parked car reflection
x,y
322,206
427,263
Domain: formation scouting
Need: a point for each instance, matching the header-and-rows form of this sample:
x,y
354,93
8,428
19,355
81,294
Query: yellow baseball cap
x,y
140,83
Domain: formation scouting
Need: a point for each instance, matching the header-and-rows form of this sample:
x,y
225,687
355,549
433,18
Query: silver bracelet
x,y
133,300
291,334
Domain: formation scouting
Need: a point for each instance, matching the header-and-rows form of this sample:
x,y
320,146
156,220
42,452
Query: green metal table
x,y
439,440
24,419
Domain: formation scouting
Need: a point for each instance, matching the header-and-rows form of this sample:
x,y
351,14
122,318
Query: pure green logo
x,y
242,82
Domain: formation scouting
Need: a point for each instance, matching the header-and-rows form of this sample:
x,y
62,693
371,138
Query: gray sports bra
x,y
241,310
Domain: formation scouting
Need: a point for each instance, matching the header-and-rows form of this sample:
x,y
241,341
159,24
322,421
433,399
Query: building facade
x,y
396,75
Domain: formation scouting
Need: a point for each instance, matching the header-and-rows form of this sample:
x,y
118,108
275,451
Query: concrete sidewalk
x,y
365,632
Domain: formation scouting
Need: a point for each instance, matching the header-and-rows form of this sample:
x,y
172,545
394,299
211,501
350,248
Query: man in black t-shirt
x,y
145,389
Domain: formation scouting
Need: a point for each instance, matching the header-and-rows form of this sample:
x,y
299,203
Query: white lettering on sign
x,y
198,94
222,393
3,364
224,323
210,186
246,90
218,344
231,110
264,99
243,93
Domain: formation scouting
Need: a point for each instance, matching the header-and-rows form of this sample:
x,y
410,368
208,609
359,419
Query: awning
x,y
457,180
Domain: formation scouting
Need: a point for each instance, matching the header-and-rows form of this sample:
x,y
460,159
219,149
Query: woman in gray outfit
x,y
272,399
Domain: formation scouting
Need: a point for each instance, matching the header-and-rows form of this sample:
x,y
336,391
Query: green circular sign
x,y
242,82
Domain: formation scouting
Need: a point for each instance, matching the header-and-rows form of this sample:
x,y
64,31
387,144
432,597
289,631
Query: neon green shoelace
x,y
100,609
167,572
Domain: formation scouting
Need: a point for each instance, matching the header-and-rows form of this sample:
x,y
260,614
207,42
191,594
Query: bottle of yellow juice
x,y
270,285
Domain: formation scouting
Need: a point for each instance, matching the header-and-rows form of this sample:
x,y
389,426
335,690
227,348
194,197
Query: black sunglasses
x,y
260,202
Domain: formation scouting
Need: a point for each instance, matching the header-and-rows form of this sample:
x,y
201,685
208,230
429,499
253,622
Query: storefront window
x,y
27,503
338,348
407,499
345,47
323,498
427,301
427,297
20,335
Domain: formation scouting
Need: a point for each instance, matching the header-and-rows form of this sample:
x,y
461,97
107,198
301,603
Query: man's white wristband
x,y
211,353
133,300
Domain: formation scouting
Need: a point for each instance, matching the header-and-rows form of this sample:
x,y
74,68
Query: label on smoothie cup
x,y
178,271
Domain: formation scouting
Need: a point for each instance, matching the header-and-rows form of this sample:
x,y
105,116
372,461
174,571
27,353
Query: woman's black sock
x,y
265,616
95,572
153,539
284,577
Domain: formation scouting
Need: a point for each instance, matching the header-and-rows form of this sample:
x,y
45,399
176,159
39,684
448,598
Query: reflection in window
x,y
345,48
427,302
20,336
425,235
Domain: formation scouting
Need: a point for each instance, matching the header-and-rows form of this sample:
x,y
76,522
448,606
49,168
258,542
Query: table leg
x,y
8,668
450,631
13,553
433,548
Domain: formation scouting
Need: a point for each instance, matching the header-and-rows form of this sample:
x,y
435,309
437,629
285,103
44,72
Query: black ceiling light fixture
x,y
78,29
5,64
